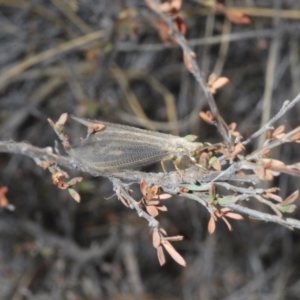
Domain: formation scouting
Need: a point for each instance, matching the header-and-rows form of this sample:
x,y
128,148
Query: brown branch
x,y
188,52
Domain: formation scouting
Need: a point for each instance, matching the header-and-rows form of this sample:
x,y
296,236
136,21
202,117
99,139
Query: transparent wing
x,y
118,150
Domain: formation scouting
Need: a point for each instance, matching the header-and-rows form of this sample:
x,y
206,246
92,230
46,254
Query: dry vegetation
x,y
155,66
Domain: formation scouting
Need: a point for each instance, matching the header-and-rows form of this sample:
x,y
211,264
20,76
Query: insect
x,y
112,147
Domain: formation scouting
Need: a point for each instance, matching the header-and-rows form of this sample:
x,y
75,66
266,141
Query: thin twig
x,y
288,222
287,105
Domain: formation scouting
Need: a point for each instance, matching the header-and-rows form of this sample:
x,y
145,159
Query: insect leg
x,y
176,163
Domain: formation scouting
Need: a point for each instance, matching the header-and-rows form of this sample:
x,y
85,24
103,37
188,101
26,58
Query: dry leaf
x,y
227,223
162,196
296,137
206,117
152,210
237,16
274,197
278,131
216,165
239,147
214,82
211,225
162,231
160,255
180,25
176,238
174,254
234,216
272,163
62,119
74,195
156,238
232,126
220,82
3,199
291,198
161,208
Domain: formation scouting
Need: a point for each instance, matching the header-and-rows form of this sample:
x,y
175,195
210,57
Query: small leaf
x,y
160,255
74,195
191,138
162,231
206,117
225,210
232,126
291,199
228,224
3,199
287,208
74,181
3,190
163,196
143,187
153,202
296,137
220,82
237,16
156,238
234,216
227,200
176,238
180,25
174,254
211,225
278,131
274,197
51,123
152,211
161,208
155,190
239,147
62,119
215,163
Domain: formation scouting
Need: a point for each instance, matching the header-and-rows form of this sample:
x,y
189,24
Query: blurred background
x,y
111,60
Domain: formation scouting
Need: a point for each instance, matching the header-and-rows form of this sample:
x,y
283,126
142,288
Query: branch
x,y
254,214
194,69
170,181
287,105
121,192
